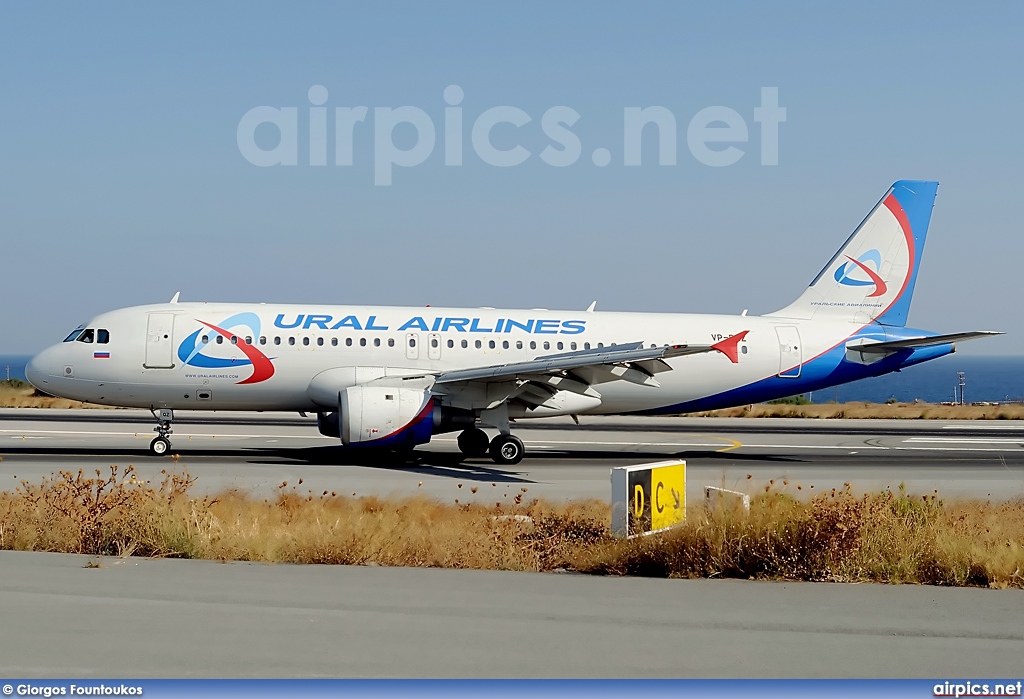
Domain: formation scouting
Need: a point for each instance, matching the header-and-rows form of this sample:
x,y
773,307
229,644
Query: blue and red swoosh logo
x,y
190,351
843,274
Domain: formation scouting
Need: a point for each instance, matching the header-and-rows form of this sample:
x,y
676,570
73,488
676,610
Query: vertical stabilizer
x,y
872,276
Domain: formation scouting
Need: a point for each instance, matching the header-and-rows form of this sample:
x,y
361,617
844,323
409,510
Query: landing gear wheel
x,y
159,446
473,442
507,449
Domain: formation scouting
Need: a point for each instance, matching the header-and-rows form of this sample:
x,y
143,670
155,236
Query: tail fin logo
x,y
859,268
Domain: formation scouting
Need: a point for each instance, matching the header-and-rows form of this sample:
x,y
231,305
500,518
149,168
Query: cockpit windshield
x,y
89,335
74,334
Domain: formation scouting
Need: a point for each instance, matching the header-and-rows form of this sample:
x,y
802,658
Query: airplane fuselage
x,y
778,357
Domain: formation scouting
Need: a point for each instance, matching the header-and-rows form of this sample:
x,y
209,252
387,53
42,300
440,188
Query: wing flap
x,y
632,362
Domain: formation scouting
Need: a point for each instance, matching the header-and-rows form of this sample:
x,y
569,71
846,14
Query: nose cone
x,y
37,372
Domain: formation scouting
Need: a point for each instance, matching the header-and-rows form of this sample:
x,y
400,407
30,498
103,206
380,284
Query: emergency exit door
x,y
790,351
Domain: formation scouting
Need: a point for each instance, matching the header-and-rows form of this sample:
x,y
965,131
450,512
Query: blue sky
x,y
121,180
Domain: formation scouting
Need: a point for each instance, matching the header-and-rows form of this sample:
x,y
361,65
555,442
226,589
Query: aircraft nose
x,y
38,370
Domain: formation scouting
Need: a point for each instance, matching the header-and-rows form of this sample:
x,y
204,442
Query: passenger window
x,y
277,340
547,345
220,339
86,336
600,344
305,342
248,339
206,339
263,339
376,342
102,336
572,346
348,341
533,344
451,343
519,344
504,344
334,342
433,342
465,344
586,345
391,342
319,342
291,340
479,344
412,342
234,339
491,344
560,346
362,342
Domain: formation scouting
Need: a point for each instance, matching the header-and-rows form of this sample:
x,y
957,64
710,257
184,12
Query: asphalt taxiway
x,y
64,617
257,452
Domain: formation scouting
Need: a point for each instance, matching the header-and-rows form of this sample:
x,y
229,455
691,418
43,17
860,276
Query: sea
x,y
986,379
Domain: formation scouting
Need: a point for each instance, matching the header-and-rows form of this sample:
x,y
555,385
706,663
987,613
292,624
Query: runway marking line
x,y
964,440
734,444
182,434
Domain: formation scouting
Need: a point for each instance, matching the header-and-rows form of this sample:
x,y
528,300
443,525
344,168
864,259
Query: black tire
x,y
159,446
474,442
507,450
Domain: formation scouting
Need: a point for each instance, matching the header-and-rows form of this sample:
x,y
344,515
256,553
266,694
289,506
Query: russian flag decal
x,y
101,355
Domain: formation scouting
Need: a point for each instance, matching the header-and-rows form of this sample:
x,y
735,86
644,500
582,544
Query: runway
x,y
258,452
166,618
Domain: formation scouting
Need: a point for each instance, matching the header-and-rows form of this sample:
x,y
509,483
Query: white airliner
x,y
391,377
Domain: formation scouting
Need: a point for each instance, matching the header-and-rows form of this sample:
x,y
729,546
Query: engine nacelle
x,y
385,417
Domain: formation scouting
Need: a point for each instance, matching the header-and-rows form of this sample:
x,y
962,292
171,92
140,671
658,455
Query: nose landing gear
x,y
161,445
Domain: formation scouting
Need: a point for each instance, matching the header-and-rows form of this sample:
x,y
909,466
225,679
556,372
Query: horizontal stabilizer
x,y
930,341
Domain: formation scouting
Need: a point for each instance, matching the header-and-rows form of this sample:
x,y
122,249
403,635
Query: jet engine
x,y
389,417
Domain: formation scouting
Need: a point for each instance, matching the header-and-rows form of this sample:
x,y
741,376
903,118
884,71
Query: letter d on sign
x,y
638,501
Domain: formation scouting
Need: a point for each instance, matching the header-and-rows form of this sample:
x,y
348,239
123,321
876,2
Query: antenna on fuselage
x,y
174,299
592,306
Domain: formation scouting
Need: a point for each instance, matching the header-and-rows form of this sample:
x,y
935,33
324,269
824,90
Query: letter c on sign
x,y
657,497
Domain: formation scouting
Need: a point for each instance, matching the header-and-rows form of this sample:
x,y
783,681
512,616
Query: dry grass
x,y
28,397
906,411
886,537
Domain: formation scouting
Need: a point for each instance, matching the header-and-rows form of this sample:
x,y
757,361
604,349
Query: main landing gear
x,y
161,445
504,449
507,449
473,442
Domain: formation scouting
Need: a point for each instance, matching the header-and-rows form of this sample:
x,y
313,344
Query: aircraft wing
x,y
910,342
630,362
